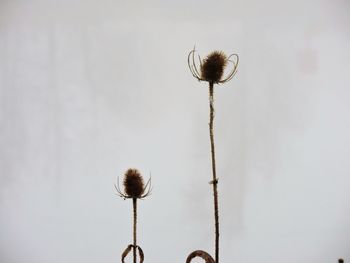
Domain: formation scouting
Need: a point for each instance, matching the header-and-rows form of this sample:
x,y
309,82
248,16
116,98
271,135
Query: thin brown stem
x,y
134,206
213,166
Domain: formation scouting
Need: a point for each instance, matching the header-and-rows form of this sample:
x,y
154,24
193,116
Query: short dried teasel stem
x,y
134,188
134,206
213,166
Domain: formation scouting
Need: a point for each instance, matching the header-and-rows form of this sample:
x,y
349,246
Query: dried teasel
x,y
213,66
134,186
212,70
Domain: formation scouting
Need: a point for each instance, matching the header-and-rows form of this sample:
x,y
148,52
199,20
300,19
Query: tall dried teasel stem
x,y
213,166
211,70
134,207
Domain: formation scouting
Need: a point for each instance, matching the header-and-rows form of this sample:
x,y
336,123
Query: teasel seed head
x,y
213,66
133,183
134,186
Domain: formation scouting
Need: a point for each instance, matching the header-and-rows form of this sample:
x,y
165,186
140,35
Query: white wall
x,y
91,88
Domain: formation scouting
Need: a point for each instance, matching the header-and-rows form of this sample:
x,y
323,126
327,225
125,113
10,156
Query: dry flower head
x,y
213,66
134,186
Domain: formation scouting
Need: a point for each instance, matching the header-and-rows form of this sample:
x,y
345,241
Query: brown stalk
x,y
134,206
214,182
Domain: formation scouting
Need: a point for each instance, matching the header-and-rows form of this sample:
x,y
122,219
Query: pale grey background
x,y
91,88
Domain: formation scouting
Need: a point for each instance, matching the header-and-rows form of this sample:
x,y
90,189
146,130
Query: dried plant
x,y
202,254
212,69
134,188
213,66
